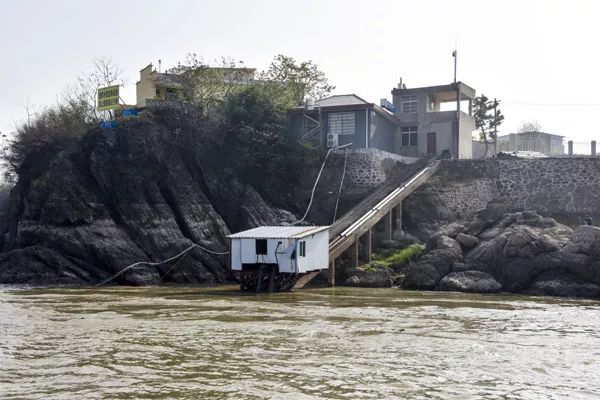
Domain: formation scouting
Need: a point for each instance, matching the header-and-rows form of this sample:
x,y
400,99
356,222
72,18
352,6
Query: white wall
x,y
243,251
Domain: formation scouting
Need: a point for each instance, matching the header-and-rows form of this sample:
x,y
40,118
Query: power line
x,y
518,103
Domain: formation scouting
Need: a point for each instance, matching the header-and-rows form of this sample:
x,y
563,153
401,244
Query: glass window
x,y
342,123
303,249
261,246
409,104
409,136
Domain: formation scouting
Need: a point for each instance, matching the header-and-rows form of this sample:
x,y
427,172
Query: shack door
x,y
431,143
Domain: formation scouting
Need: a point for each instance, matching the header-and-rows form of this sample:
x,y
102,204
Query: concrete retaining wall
x,y
555,186
371,167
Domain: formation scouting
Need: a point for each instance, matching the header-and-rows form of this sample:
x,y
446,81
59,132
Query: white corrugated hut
x,y
294,249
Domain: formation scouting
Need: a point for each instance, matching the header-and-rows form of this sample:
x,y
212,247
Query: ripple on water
x,y
177,343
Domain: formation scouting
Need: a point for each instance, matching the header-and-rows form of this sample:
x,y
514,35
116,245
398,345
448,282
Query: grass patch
x,y
402,256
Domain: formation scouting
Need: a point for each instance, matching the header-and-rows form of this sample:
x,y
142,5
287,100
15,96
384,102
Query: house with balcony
x,y
434,120
420,121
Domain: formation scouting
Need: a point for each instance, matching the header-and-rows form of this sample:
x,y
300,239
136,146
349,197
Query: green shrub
x,y
403,256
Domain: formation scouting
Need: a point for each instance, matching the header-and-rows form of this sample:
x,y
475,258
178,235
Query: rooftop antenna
x,y
455,55
160,62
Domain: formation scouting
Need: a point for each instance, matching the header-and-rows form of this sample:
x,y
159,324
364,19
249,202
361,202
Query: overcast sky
x,y
540,58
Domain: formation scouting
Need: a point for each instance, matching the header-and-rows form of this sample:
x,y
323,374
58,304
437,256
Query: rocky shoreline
x,y
521,252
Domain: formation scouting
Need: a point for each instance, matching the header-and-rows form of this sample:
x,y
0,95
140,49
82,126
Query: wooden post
x,y
367,242
354,254
398,209
332,273
387,225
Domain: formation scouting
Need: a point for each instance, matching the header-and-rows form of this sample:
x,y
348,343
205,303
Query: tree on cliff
x,y
286,82
293,82
530,126
488,118
104,72
52,129
205,87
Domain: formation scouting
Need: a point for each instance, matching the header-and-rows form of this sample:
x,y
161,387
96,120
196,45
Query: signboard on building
x,y
108,98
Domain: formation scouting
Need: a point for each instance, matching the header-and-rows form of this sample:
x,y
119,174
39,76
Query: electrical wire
x,y
312,194
337,201
152,264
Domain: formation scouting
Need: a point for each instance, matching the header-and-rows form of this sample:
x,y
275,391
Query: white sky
x,y
527,51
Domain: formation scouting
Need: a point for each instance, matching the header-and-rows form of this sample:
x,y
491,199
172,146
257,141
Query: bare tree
x,y
530,126
104,72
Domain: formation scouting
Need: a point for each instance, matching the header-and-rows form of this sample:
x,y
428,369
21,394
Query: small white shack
x,y
294,249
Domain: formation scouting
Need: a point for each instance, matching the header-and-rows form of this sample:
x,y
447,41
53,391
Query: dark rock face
x,y
136,193
469,281
517,252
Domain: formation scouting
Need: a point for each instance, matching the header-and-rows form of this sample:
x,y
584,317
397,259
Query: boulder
x,y
446,242
469,281
377,278
564,284
467,241
420,277
442,259
460,266
587,239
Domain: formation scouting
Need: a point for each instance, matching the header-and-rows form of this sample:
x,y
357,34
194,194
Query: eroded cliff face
x,y
141,192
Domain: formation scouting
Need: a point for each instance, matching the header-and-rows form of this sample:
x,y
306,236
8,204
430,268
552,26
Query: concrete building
x,y
427,126
418,123
160,86
541,142
342,119
292,249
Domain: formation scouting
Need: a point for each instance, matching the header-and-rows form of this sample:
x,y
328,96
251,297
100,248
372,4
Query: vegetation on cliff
x,y
89,201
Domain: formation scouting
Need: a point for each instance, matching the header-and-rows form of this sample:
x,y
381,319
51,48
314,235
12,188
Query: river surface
x,y
214,343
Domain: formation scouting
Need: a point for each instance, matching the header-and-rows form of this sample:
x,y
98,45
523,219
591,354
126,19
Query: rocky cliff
x,y
142,192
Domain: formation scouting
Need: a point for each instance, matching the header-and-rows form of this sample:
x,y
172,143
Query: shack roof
x,y
278,232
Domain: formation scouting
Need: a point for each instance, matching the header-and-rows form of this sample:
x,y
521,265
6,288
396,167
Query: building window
x,y
409,104
261,246
408,136
342,123
303,249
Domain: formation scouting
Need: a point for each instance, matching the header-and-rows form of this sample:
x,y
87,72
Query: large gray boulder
x,y
378,277
469,281
467,242
587,240
420,277
563,284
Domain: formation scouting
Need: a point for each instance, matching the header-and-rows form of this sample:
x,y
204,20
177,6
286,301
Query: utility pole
x,y
457,138
495,128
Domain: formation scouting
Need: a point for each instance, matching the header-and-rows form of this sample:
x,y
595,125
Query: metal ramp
x,y
382,204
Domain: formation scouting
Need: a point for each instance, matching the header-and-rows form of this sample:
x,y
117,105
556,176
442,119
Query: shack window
x,y
302,249
409,136
261,246
409,104
342,123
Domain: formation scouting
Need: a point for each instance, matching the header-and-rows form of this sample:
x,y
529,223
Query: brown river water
x,y
342,343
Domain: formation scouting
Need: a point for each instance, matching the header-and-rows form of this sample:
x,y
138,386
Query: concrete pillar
x,y
353,252
366,238
331,277
388,225
398,217
570,144
593,148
